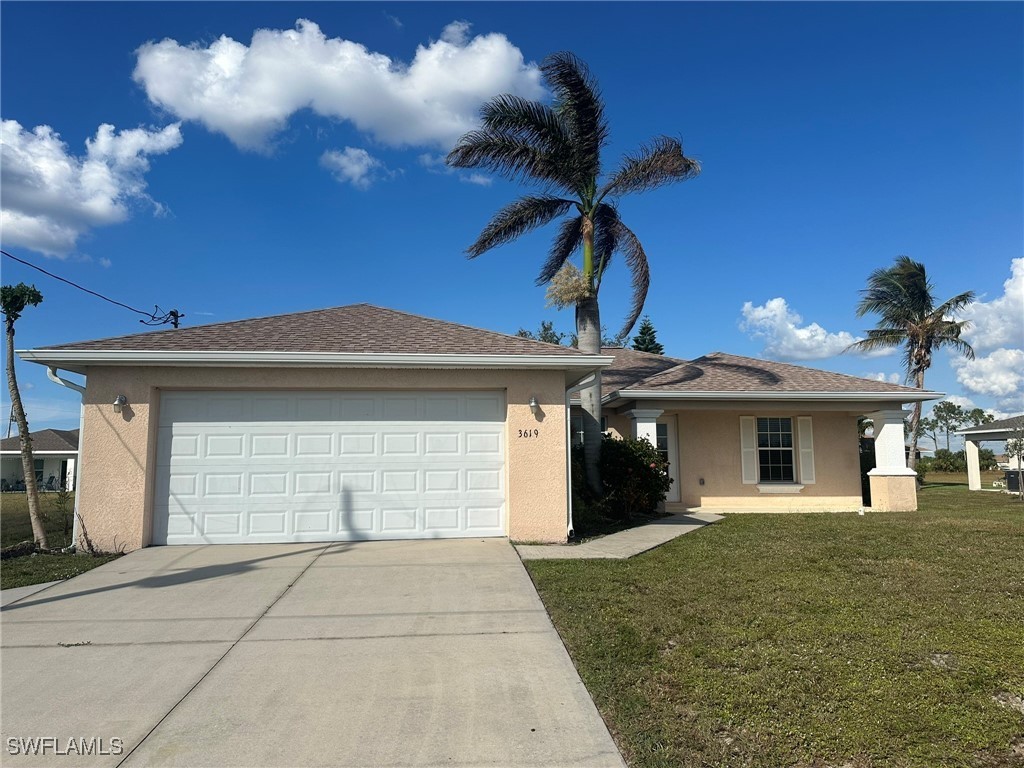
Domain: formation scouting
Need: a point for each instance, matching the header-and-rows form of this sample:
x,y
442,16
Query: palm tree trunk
x,y
588,332
915,423
27,465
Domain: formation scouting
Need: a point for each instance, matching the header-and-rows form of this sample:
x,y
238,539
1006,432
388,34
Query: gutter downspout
x,y
51,374
585,381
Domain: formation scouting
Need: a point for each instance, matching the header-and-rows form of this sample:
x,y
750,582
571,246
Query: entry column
x,y
893,483
645,424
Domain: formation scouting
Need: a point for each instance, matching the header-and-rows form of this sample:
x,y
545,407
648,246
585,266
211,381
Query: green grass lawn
x,y
15,527
828,640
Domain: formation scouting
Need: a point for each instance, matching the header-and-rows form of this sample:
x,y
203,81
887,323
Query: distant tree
x,y
929,427
1015,450
948,418
646,339
902,298
545,333
15,299
863,425
976,417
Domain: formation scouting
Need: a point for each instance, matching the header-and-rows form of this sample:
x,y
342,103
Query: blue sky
x,y
299,171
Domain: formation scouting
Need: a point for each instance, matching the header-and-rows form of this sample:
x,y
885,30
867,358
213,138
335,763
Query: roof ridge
x,y
805,367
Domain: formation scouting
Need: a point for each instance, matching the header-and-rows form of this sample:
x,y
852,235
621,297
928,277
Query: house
x,y
360,422
54,451
742,434
995,431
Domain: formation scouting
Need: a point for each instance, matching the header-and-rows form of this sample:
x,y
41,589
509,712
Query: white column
x,y
890,448
973,465
645,424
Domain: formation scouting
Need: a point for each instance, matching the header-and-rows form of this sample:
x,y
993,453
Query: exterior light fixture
x,y
534,405
119,403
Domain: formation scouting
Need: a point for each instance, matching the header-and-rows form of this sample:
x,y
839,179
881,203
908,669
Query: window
x,y
576,423
662,439
775,450
38,465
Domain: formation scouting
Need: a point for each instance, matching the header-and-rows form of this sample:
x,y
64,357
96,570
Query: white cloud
x,y
249,92
436,164
50,197
353,165
786,339
1000,374
1000,322
888,378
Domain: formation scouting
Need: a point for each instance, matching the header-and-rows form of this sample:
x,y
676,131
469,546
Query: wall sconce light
x,y
119,403
534,405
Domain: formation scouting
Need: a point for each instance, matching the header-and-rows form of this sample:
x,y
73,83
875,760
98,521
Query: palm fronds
x,y
653,165
578,103
566,243
517,218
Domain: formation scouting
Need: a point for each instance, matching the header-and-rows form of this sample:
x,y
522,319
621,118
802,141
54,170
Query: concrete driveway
x,y
420,653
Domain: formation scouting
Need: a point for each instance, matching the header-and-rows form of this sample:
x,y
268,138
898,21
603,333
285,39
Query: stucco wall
x,y
118,450
709,448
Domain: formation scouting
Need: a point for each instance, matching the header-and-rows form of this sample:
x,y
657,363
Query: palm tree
x,y
13,301
558,148
902,298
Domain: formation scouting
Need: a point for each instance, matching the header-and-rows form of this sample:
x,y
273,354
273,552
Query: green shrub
x,y
635,480
924,466
635,477
947,461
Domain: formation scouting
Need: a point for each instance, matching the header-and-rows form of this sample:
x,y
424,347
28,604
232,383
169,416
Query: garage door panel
x,y
383,465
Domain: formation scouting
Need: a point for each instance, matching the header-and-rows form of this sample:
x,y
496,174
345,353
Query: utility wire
x,y
173,316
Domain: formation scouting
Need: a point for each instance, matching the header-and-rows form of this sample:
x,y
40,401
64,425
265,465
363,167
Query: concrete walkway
x,y
13,595
623,544
424,653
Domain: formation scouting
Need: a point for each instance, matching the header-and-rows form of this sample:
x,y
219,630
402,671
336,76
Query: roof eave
x,y
767,395
75,359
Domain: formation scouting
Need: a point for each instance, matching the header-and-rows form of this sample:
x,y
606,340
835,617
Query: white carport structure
x,y
994,431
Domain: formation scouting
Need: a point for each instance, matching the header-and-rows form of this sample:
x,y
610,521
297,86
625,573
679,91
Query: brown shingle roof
x,y
356,328
45,440
720,372
631,366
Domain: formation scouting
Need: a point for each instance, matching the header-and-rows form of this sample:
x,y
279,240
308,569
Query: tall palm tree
x,y
901,296
558,148
15,299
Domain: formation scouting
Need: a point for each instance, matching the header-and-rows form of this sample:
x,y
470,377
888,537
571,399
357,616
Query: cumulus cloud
x,y
249,92
999,374
353,165
50,197
1000,322
787,339
436,164
887,378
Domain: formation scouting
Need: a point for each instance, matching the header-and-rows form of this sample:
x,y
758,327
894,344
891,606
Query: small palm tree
x,y
14,299
901,296
558,148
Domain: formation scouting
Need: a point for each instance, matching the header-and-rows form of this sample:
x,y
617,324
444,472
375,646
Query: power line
x,y
154,318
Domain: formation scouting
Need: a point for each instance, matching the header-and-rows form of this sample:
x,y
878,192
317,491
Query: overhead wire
x,y
172,316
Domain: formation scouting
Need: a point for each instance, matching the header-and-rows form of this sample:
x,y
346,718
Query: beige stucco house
x,y
365,423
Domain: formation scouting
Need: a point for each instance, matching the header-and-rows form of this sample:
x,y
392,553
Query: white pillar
x,y
973,465
890,447
645,424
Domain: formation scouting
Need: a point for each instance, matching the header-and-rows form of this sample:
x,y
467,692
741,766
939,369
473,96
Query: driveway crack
x,y
213,666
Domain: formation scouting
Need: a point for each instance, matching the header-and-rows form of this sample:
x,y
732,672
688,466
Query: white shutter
x,y
748,449
805,437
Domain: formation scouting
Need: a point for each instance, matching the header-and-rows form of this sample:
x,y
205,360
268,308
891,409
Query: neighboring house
x,y
995,431
365,423
55,452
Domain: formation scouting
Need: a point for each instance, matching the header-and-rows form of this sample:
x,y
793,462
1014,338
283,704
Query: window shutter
x,y
748,449
806,437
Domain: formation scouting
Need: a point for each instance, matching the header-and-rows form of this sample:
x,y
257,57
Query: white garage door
x,y
328,466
